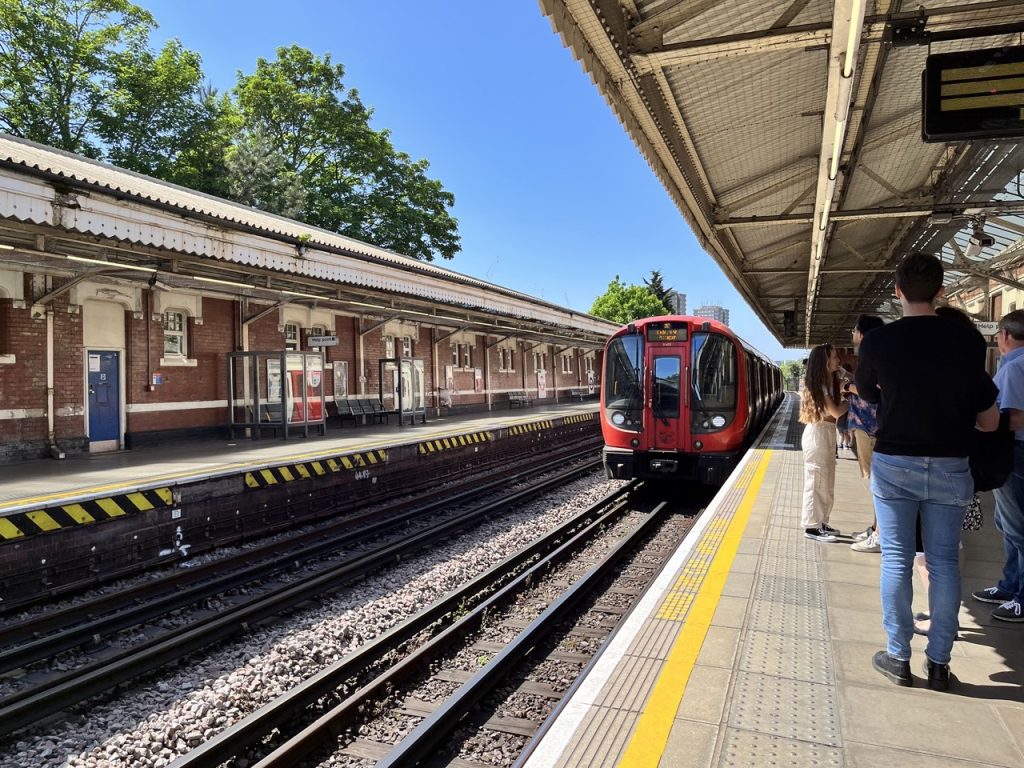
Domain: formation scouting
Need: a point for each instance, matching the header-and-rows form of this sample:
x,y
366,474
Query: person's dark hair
x,y
867,323
818,379
919,277
1013,322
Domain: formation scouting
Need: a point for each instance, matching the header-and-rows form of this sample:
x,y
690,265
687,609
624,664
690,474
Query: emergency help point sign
x,y
987,327
322,341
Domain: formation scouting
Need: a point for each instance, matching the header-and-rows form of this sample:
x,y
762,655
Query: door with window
x,y
666,402
104,400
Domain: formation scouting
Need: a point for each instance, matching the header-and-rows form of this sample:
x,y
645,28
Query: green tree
x,y
259,176
625,303
58,62
792,371
356,183
656,286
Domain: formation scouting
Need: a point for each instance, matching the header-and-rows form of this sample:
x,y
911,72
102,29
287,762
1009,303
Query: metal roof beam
x,y
883,212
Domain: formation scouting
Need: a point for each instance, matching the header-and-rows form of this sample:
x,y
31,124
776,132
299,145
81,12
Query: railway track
x,y
555,578
55,693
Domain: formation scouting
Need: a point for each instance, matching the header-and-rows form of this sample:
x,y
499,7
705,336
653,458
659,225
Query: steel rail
x,y
426,736
29,706
254,728
29,641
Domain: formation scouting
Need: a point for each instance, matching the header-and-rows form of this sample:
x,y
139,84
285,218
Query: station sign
x,y
974,95
987,327
322,341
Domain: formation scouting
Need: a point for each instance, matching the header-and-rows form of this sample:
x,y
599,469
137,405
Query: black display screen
x,y
668,331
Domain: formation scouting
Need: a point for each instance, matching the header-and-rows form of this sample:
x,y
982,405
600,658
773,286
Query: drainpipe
x,y
51,436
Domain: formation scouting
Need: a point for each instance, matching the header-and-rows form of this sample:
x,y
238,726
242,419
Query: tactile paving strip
x,y
777,589
743,749
795,658
792,709
793,619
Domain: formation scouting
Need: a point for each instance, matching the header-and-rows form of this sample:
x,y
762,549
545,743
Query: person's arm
x,y
865,378
988,420
834,409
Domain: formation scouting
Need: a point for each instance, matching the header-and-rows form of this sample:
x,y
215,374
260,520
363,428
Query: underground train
x,y
682,397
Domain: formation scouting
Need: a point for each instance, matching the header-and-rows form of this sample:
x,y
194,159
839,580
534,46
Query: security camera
x,y
981,240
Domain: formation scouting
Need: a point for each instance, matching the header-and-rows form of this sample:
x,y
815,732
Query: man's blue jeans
x,y
1010,522
937,489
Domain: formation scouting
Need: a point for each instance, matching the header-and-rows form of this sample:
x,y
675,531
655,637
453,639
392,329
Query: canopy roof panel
x,y
801,169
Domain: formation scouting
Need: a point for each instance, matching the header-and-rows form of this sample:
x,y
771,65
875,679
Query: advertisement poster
x,y
478,380
449,378
542,384
591,382
273,380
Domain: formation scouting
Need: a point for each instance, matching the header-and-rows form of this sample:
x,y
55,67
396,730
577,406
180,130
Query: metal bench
x,y
518,397
578,393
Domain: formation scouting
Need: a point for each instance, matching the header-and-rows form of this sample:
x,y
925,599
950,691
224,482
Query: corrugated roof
x,y
732,103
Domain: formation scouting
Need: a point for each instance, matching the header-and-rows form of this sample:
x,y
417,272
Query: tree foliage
x,y
356,182
626,303
657,286
80,75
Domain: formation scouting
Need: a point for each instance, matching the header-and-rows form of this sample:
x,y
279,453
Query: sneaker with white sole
x,y
819,533
870,544
991,595
861,535
829,529
1008,611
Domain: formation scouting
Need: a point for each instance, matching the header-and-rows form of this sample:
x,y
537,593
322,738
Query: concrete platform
x,y
754,648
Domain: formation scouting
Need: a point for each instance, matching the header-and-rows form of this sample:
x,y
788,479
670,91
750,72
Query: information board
x,y
974,95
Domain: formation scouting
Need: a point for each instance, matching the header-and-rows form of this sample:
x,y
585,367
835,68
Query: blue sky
x,y
552,197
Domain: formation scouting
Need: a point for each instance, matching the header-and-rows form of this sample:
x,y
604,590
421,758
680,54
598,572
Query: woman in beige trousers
x,y
820,406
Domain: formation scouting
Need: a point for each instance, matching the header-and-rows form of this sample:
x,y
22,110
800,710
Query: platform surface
x,y
754,648
48,480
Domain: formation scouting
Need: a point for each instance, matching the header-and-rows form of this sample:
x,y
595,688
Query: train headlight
x,y
618,418
697,444
718,421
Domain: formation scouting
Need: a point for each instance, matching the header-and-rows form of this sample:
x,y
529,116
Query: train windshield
x,y
714,372
623,390
666,387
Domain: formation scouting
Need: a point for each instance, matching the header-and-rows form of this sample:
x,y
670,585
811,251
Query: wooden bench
x,y
578,393
520,398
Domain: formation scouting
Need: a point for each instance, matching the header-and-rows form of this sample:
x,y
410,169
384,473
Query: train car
x,y
682,397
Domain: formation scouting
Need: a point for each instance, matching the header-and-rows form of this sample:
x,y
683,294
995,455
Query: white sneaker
x,y
870,544
861,535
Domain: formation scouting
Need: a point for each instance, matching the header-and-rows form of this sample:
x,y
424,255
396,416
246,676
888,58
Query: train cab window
x,y
622,390
665,400
713,383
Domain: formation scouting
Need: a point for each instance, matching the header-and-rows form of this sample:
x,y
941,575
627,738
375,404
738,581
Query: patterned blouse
x,y
861,415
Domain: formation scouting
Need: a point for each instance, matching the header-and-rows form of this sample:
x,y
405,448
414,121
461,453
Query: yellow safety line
x,y
648,741
382,443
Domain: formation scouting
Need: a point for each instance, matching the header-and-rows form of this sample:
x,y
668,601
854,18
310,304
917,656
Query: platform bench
x,y
361,409
578,393
520,398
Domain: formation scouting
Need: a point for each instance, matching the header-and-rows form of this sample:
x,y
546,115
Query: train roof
x,y
697,319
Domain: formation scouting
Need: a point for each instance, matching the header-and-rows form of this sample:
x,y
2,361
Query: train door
x,y
667,399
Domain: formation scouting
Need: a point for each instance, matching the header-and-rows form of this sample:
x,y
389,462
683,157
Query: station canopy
x,y
790,135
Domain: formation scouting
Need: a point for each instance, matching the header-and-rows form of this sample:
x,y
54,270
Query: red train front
x,y
682,396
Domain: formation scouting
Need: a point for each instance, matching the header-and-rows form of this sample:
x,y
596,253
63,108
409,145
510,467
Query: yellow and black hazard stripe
x,y
287,473
58,517
536,426
579,419
449,443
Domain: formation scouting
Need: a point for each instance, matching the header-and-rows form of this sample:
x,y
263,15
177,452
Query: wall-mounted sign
x,y
974,95
322,341
987,327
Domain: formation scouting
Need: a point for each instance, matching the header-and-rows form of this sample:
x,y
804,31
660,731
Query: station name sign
x,y
974,95
322,341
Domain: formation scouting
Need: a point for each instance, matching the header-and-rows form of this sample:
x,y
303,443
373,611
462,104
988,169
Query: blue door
x,y
104,396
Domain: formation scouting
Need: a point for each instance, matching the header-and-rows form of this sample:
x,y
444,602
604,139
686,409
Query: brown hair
x,y
817,381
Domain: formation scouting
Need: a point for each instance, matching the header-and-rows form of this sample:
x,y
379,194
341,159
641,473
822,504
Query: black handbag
x,y
991,459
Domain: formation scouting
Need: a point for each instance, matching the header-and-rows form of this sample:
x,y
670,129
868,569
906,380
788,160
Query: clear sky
x,y
552,197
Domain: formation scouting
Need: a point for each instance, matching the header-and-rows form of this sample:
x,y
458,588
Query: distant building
x,y
677,303
721,314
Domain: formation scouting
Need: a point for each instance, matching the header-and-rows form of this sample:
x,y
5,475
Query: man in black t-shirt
x,y
928,375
